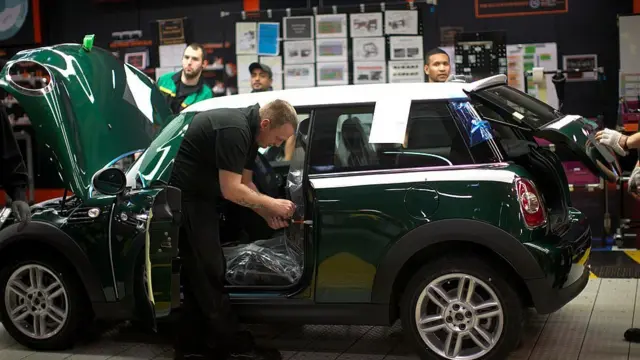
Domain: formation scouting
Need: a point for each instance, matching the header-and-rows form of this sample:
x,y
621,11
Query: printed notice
x,y
390,119
503,8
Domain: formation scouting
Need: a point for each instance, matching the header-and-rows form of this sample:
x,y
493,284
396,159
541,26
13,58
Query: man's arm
x,y
247,179
233,189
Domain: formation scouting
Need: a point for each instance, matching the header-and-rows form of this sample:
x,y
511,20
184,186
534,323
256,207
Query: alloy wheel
x,y
36,301
459,317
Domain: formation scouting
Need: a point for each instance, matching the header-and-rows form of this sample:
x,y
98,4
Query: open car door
x,y
527,113
161,249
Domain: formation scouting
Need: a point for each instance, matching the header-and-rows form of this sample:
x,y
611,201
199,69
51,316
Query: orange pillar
x,y
636,6
253,5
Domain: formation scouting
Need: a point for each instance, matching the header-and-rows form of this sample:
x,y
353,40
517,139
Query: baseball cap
x,y
263,67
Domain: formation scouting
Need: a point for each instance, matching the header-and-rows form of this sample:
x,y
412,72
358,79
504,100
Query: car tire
x,y
59,300
462,318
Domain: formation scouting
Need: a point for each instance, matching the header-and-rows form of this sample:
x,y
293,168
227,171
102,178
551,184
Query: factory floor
x,y
590,327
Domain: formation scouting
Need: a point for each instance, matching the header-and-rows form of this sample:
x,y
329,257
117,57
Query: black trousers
x,y
207,319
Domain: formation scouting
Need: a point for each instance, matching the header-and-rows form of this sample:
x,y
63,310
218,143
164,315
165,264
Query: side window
x,y
340,140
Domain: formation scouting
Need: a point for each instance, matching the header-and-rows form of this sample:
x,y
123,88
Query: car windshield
x,y
535,113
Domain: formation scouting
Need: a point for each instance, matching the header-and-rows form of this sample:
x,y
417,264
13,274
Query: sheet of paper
x,y
405,47
365,24
390,118
269,38
331,26
244,76
333,74
370,72
369,49
299,52
521,57
299,76
246,38
275,63
171,55
331,50
401,22
406,71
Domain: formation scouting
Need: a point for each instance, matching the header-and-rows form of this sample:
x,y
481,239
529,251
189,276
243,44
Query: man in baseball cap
x,y
261,77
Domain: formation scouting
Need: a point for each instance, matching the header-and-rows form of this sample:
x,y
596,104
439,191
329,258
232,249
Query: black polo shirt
x,y
216,139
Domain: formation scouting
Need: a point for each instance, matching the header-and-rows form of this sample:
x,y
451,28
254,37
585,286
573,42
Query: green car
x,y
428,203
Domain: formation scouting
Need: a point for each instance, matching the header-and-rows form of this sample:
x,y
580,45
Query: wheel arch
x,y
461,236
44,236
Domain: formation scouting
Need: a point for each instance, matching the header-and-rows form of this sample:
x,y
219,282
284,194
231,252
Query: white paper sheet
x,y
275,63
401,22
246,38
365,24
370,72
331,50
244,76
406,71
331,26
537,55
333,74
405,47
369,49
171,55
299,52
390,119
299,76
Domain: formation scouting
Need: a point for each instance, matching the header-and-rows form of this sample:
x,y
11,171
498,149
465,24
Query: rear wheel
x,y
43,302
461,308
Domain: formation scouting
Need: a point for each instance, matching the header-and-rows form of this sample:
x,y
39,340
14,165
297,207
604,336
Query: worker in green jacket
x,y
186,87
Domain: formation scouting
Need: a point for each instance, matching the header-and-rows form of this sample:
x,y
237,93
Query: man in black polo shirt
x,y
214,162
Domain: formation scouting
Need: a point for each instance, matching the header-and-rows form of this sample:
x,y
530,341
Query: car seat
x,y
356,142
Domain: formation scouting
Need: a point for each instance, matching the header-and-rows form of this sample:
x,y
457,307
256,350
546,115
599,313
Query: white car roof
x,y
349,94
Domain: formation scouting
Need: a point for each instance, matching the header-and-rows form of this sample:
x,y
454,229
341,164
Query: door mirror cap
x,y
109,181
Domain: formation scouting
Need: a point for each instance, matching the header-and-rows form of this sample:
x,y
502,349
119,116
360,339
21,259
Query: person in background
x,y
186,87
621,144
261,77
437,67
13,171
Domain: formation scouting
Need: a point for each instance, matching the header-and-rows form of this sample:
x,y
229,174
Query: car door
x,y
575,133
161,252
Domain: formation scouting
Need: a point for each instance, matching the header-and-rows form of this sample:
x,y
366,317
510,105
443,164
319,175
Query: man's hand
x,y
276,223
612,139
22,213
282,208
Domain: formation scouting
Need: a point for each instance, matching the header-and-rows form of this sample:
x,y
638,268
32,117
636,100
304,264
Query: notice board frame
x,y
532,12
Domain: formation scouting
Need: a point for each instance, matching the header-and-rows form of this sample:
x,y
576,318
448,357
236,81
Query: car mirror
x,y
109,181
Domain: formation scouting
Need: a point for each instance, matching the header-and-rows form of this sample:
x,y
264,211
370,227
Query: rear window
x,y
534,112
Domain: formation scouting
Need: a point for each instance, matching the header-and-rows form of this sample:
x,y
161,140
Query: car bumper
x,y
566,264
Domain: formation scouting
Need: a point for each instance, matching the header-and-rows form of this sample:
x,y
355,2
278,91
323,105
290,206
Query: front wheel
x,y
43,305
461,308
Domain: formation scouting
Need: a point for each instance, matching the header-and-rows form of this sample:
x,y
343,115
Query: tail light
x,y
531,205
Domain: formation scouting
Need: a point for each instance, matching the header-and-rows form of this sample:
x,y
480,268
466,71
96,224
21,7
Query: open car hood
x,y
90,109
527,113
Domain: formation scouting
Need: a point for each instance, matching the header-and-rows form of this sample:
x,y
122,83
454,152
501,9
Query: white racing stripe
x,y
454,174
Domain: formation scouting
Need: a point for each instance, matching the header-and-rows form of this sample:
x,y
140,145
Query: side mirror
x,y
109,181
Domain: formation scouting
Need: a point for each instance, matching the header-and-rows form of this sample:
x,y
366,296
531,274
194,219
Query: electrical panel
x,y
481,54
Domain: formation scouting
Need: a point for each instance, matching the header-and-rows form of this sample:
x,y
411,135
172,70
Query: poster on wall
x,y
298,27
331,50
369,49
406,71
524,57
275,63
299,52
171,31
268,38
246,38
331,26
405,47
333,74
365,24
504,8
299,76
370,72
401,22
244,76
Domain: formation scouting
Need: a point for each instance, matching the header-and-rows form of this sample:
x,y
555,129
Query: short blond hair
x,y
280,113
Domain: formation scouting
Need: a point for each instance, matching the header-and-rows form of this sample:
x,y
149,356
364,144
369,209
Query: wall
x,y
589,27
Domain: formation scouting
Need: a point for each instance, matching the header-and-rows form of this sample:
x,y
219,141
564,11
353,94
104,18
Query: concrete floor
x,y
590,327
